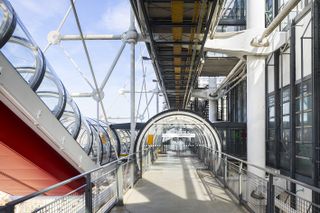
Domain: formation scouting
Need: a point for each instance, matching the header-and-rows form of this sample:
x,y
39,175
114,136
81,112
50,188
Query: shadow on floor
x,y
159,191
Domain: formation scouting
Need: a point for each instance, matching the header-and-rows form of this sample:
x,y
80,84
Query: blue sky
x,y
96,17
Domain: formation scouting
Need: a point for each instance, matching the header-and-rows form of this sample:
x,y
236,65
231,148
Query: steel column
x,y
132,84
88,195
256,93
292,107
316,97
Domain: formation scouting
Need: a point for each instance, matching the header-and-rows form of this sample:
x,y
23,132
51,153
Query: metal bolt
x,y
39,113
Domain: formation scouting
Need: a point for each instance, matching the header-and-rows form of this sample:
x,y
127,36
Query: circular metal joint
x,y
259,42
95,95
54,37
131,36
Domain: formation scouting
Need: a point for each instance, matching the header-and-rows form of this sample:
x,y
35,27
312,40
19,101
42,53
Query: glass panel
x,y
307,134
21,56
298,120
286,121
306,87
70,118
85,137
304,166
51,92
307,118
6,18
307,51
303,149
298,134
298,90
271,100
271,112
272,123
272,134
307,102
298,54
286,68
298,105
286,135
286,108
2,18
286,95
270,78
284,161
271,158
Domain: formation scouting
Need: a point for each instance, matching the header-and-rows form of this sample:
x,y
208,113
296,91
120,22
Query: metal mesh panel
x,y
98,190
289,202
233,178
257,193
104,191
127,176
72,202
255,189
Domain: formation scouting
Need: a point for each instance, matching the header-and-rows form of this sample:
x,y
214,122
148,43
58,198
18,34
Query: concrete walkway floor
x,y
177,184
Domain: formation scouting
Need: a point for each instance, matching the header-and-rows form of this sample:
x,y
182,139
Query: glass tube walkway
x,y
177,183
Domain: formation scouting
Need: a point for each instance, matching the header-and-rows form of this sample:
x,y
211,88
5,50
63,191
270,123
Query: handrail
x,y
55,186
269,171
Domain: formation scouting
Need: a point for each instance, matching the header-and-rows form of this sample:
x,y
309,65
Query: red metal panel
x,y
27,162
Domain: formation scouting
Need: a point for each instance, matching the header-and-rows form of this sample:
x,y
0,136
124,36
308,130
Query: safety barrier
x,y
272,193
99,190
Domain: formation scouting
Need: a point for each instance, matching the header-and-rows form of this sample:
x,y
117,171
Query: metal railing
x,y
272,193
93,191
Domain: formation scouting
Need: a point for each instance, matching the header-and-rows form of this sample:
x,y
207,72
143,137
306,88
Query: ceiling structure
x,y
218,66
177,31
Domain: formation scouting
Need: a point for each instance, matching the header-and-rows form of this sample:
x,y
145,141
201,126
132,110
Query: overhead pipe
x,y
274,24
234,85
92,37
232,72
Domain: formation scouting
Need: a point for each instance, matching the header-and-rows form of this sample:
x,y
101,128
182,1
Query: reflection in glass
x,y
70,118
52,93
85,137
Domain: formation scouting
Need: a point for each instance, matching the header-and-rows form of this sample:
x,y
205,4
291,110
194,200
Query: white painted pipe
x,y
91,37
279,18
229,76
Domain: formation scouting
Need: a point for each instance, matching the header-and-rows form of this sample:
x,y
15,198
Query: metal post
x,y
316,93
157,100
149,158
213,162
119,176
88,194
225,176
270,195
240,182
141,163
132,172
256,93
132,93
132,40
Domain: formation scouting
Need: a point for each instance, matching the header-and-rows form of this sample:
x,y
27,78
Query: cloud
x,y
43,9
116,18
40,17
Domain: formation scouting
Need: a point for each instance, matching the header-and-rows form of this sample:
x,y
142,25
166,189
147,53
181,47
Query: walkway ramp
x,y
177,183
